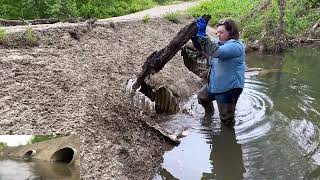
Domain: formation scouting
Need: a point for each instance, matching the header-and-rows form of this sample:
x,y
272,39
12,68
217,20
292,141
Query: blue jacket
x,y
227,67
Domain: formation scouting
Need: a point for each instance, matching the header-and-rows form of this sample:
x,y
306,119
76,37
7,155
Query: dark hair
x,y
231,27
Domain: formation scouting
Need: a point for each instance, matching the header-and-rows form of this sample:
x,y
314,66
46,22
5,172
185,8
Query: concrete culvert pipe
x,y
64,155
28,154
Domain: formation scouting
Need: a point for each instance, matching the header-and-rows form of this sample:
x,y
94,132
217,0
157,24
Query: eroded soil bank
x,y
66,85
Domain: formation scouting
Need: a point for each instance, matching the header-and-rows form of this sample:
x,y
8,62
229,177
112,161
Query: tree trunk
x,y
156,61
5,22
316,25
43,21
282,8
281,27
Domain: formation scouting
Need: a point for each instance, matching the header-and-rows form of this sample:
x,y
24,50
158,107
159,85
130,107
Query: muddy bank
x,y
309,40
66,85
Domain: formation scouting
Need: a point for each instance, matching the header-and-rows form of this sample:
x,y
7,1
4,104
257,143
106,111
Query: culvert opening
x,y
64,155
28,154
148,98
165,101
147,90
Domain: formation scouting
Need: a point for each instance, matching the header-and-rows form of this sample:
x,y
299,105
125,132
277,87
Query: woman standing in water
x,y
226,59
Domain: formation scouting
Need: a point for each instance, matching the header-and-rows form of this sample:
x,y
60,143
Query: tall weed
x,y
173,16
3,35
29,37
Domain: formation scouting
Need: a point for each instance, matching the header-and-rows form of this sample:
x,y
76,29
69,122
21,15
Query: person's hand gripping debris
x,y
200,37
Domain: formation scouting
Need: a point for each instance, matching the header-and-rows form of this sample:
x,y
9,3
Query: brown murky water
x,y
20,170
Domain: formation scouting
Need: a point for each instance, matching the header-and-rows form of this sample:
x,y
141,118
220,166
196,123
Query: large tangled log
x,y
5,22
156,61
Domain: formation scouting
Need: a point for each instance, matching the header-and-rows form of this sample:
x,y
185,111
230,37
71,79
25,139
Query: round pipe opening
x,y
64,155
28,154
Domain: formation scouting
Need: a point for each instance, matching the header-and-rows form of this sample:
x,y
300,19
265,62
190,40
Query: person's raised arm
x,y
228,50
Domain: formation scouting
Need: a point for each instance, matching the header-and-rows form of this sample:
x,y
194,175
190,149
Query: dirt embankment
x,y
70,86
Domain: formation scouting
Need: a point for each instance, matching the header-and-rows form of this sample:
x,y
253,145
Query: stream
x,y
276,135
32,170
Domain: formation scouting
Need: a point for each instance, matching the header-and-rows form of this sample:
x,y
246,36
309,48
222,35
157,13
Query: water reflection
x,y
294,88
225,156
166,175
17,170
277,132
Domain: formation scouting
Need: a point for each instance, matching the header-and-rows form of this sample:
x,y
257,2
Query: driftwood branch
x,y
44,21
316,25
156,61
5,22
260,7
304,40
24,21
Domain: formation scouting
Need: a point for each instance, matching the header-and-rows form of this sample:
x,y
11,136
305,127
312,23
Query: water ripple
x,y
250,113
307,137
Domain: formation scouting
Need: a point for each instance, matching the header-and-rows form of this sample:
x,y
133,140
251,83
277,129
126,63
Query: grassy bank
x,y
268,20
67,9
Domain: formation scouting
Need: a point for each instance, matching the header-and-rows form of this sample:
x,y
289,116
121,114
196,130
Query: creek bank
x,y
64,85
67,85
311,40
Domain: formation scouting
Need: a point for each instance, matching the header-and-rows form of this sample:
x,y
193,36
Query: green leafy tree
x,y
10,9
32,9
66,9
88,10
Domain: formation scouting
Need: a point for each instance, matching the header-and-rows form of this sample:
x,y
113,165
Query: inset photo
x,y
40,157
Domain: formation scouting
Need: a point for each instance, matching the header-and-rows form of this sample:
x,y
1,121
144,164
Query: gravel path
x,y
154,12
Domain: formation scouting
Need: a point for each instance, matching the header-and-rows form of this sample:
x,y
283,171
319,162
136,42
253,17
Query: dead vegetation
x,y
65,85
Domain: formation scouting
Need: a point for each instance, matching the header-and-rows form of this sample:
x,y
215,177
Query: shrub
x,y
3,35
162,2
64,9
173,16
88,11
29,37
146,19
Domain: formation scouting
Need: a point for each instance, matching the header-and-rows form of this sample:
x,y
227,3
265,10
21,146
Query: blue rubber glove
x,y
202,26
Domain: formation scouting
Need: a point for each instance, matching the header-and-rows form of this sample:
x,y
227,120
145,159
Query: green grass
x,y
221,9
3,35
29,37
173,16
146,19
67,9
300,15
